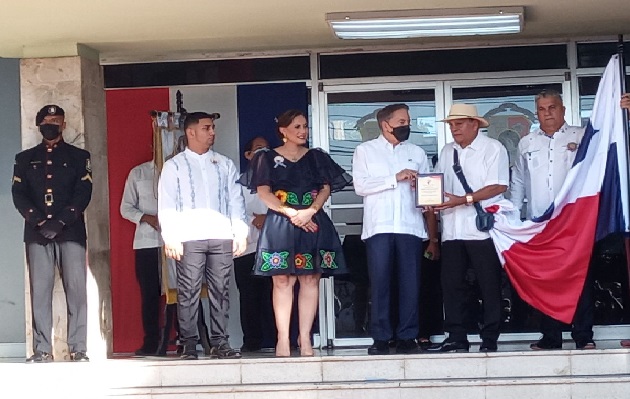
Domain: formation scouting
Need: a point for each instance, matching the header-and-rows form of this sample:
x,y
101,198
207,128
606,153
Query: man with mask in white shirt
x,y
484,165
202,215
544,159
384,172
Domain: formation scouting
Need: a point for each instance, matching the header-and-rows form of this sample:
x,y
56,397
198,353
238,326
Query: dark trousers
x,y
457,257
431,313
69,256
257,318
582,326
382,249
148,276
212,259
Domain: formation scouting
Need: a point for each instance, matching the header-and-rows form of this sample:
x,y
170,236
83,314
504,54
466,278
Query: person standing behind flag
x,y
139,206
485,167
544,159
625,104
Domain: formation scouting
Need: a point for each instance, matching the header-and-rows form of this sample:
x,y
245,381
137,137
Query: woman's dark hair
x,y
286,118
250,144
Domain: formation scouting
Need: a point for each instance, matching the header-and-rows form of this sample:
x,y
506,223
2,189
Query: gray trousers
x,y
212,259
70,258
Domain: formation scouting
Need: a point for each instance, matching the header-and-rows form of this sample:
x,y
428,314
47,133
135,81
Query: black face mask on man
x,y
49,131
402,133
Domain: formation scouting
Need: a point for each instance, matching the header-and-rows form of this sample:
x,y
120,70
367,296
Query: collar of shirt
x,y
204,156
476,144
389,146
562,129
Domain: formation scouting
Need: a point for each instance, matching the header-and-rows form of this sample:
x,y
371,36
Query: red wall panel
x,y
129,140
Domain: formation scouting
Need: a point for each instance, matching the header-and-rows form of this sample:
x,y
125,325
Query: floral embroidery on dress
x,y
292,198
304,261
282,195
307,199
328,259
274,260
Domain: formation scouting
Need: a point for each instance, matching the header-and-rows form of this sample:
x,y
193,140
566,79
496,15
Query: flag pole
x,y
622,82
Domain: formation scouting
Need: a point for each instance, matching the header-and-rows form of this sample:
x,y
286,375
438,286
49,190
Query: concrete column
x,y
75,84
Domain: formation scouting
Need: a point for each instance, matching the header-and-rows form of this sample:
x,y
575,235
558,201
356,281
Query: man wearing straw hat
x,y
485,167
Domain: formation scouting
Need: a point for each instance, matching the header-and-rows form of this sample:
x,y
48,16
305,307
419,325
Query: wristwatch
x,y
469,199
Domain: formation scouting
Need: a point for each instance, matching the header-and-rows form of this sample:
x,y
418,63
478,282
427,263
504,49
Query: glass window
x,y
207,72
509,109
592,55
431,62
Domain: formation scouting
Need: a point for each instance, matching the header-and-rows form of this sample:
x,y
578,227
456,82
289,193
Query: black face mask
x,y
402,133
49,131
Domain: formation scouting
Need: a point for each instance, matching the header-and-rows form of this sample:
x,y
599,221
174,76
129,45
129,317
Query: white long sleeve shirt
x,y
541,167
484,163
389,206
139,198
253,205
199,199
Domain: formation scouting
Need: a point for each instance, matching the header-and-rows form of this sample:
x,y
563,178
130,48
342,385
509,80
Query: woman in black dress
x,y
298,240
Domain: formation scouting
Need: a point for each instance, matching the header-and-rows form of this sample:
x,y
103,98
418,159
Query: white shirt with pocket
x,y
389,206
541,167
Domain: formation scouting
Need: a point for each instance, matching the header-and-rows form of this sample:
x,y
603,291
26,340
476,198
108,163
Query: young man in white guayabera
x,y
485,166
544,159
202,215
384,172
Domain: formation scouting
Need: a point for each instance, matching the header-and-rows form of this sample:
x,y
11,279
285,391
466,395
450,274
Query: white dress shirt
x,y
139,198
484,163
253,205
388,206
199,198
541,167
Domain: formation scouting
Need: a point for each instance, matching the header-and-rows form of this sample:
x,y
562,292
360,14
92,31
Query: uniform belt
x,y
48,199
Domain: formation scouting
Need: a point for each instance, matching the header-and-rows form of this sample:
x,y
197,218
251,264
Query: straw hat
x,y
465,111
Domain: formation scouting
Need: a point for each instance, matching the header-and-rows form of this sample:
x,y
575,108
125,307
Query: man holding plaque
x,y
384,173
485,167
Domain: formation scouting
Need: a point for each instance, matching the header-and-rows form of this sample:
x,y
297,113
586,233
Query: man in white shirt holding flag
x,y
544,159
202,215
547,259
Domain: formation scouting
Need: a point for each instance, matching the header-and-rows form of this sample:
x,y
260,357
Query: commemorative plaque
x,y
429,189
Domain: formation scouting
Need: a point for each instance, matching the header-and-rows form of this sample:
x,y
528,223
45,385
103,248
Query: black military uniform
x,y
52,186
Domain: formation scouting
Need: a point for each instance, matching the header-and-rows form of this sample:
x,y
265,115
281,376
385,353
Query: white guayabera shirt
x,y
388,206
199,198
541,167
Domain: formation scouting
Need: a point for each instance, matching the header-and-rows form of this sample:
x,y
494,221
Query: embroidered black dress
x,y
282,247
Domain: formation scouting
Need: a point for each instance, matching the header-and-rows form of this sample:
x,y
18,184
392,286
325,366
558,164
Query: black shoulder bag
x,y
484,220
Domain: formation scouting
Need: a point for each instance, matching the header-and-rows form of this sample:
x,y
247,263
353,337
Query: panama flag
x,y
547,259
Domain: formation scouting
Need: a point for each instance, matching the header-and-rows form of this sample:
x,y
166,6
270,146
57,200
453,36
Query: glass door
x,y
350,120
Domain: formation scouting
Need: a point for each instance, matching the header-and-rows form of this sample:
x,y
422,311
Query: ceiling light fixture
x,y
426,23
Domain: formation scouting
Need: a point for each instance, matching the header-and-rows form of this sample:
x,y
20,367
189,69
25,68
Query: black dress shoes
x,y
450,346
40,357
379,348
545,344
407,346
488,346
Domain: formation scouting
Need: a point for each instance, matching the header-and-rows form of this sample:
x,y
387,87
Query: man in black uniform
x,y
52,186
